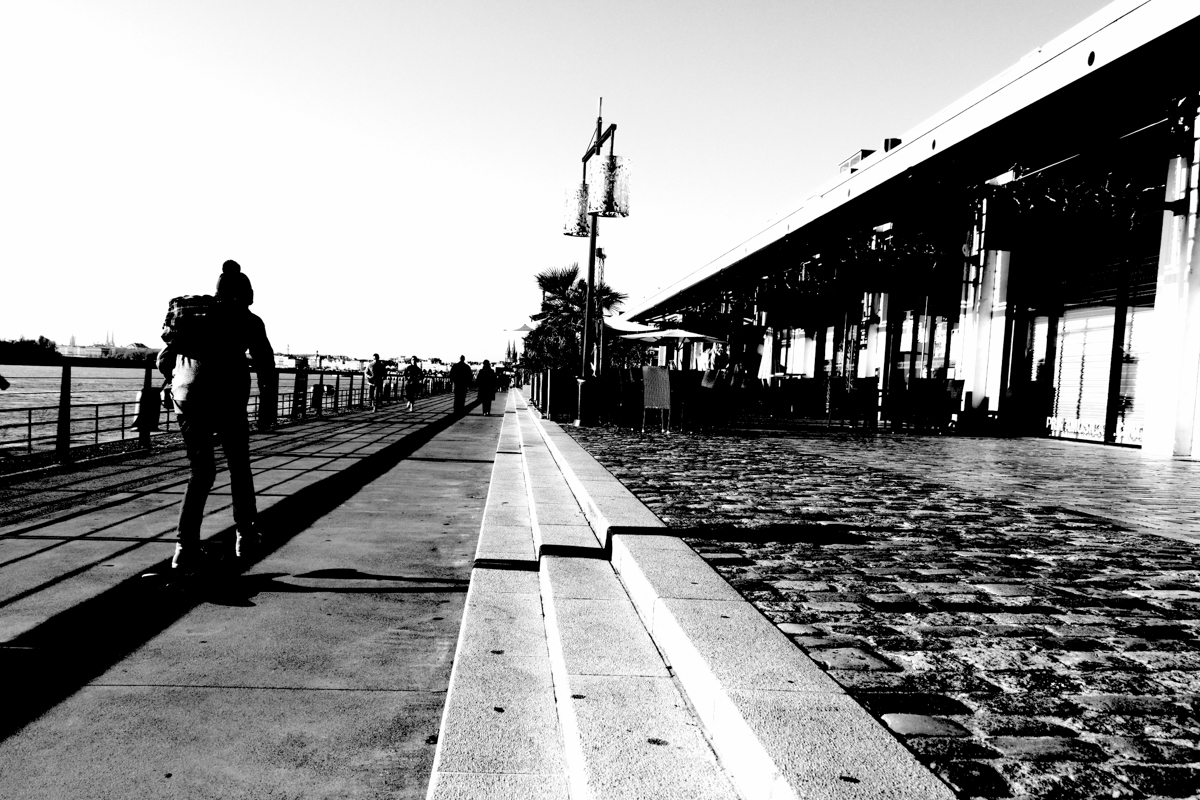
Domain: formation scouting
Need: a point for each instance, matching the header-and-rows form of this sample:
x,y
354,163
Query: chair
x,y
656,393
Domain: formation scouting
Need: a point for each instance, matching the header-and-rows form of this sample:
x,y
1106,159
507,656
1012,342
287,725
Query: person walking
x,y
460,378
414,377
210,387
376,373
485,383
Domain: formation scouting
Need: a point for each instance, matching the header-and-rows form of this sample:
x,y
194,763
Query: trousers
x,y
200,435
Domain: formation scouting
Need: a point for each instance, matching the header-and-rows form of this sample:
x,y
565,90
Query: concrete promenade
x,y
318,671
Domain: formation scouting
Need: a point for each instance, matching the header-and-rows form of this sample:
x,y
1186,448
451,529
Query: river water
x,y
29,407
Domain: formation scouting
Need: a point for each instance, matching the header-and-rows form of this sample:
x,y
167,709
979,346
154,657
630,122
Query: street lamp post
x,y
610,202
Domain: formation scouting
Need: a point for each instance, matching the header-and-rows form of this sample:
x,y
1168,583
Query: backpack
x,y
190,323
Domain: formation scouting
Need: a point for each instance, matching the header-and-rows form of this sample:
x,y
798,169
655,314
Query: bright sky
x,y
391,175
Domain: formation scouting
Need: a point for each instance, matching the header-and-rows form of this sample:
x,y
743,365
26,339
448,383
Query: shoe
x,y
247,542
187,559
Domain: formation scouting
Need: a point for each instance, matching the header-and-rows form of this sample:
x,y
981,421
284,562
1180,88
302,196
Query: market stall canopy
x,y
671,335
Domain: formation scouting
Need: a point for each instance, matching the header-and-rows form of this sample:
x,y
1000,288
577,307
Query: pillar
x,y
989,312
1168,383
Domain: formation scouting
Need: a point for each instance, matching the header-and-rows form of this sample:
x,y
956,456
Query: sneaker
x,y
187,559
247,542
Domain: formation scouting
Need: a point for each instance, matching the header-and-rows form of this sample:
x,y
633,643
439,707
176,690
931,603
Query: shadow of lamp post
x,y
605,195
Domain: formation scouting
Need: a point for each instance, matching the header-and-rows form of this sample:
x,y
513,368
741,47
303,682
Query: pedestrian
x,y
210,387
413,378
485,382
376,373
460,377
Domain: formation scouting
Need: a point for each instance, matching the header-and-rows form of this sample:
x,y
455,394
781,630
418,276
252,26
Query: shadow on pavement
x,y
778,533
45,665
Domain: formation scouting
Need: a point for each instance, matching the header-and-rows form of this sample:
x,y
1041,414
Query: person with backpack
x,y
376,373
205,362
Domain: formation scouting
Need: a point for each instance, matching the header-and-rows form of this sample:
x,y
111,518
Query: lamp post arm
x,y
594,148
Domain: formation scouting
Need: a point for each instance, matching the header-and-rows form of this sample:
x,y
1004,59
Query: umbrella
x,y
626,326
669,335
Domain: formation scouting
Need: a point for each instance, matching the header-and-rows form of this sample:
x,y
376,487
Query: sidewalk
x,y
319,671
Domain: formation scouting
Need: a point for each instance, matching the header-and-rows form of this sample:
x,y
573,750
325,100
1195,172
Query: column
x,y
1168,383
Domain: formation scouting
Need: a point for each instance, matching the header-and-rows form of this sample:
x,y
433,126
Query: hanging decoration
x,y
576,222
610,177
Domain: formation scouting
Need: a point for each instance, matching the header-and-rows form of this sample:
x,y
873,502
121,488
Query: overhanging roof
x,y
1111,33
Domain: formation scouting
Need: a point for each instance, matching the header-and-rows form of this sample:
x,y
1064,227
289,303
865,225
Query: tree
x,y
555,343
29,351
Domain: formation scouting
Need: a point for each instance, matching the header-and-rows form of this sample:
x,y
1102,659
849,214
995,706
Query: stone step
x,y
628,731
780,725
500,738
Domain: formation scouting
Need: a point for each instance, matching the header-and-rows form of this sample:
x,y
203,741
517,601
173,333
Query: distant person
x,y
460,377
205,362
413,380
486,386
376,373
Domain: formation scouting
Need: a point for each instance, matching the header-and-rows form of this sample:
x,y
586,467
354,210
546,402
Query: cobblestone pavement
x,y
998,604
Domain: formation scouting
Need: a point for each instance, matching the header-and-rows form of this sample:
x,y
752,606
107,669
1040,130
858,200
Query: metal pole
x,y
585,338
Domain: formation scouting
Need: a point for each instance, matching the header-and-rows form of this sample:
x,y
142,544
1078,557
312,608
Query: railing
x,y
71,424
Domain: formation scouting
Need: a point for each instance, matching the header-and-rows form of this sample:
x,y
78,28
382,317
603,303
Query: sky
x,y
391,174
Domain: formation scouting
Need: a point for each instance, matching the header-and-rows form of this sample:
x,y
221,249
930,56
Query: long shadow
x,y
242,589
45,665
779,533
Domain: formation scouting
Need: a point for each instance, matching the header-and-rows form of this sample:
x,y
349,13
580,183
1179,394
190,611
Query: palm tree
x,y
555,342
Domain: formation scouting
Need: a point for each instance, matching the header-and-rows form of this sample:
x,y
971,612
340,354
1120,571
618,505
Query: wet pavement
x,y
1023,614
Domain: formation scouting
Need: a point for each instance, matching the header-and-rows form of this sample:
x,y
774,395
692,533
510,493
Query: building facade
x,y
1026,258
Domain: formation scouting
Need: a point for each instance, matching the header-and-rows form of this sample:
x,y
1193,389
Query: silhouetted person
x,y
413,380
485,383
210,384
376,373
460,377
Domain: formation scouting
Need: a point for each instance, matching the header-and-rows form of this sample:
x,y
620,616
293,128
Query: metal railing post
x,y
62,443
144,431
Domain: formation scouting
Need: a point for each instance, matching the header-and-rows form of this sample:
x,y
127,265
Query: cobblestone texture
x,y
998,604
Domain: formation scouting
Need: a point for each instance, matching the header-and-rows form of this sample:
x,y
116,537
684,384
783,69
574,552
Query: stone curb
x,y
781,726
